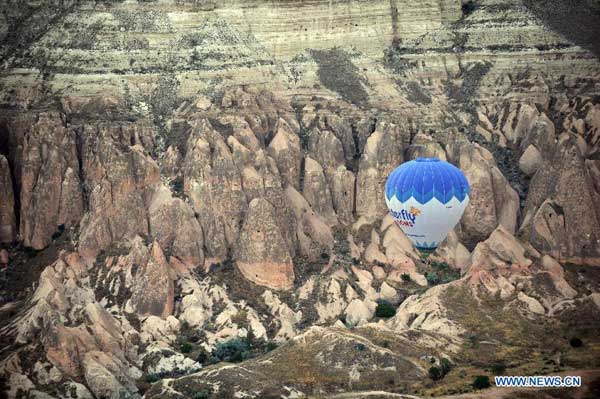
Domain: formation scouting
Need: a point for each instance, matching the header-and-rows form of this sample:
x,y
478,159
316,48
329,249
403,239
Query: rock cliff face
x,y
189,184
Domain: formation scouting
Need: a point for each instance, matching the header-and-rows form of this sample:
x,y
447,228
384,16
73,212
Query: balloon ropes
x,y
427,197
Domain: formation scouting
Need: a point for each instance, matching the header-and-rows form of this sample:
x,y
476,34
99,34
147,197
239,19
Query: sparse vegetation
x,y
337,73
385,309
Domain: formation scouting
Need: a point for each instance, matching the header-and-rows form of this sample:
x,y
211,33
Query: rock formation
x,y
262,254
186,185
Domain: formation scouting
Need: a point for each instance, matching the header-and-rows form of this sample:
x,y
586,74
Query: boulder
x,y
174,226
8,226
315,238
382,153
286,150
424,146
530,161
359,312
4,258
153,289
262,255
492,202
316,191
495,261
326,149
452,252
342,191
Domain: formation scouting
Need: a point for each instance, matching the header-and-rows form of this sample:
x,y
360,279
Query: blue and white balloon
x,y
427,197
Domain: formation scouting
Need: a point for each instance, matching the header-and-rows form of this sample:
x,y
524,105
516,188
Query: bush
x,y
186,347
468,7
271,345
498,368
481,382
405,277
152,378
235,350
385,309
445,365
432,278
435,373
576,342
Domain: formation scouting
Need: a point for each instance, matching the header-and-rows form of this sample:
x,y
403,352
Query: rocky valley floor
x,y
192,205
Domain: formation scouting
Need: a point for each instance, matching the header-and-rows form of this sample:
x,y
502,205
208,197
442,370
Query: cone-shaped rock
x,y
262,254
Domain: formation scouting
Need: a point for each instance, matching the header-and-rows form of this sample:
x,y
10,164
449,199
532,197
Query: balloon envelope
x,y
427,198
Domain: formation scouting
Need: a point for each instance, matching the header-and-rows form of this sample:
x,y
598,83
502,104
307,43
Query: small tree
x,y
405,277
385,309
481,382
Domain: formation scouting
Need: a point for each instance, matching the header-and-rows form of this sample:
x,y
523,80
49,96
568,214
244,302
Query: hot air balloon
x,y
427,198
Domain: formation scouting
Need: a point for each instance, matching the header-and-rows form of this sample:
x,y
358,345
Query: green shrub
x,y
203,356
432,278
498,368
186,347
234,350
435,373
445,366
481,382
440,265
576,342
468,7
271,345
385,310
405,277
152,378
